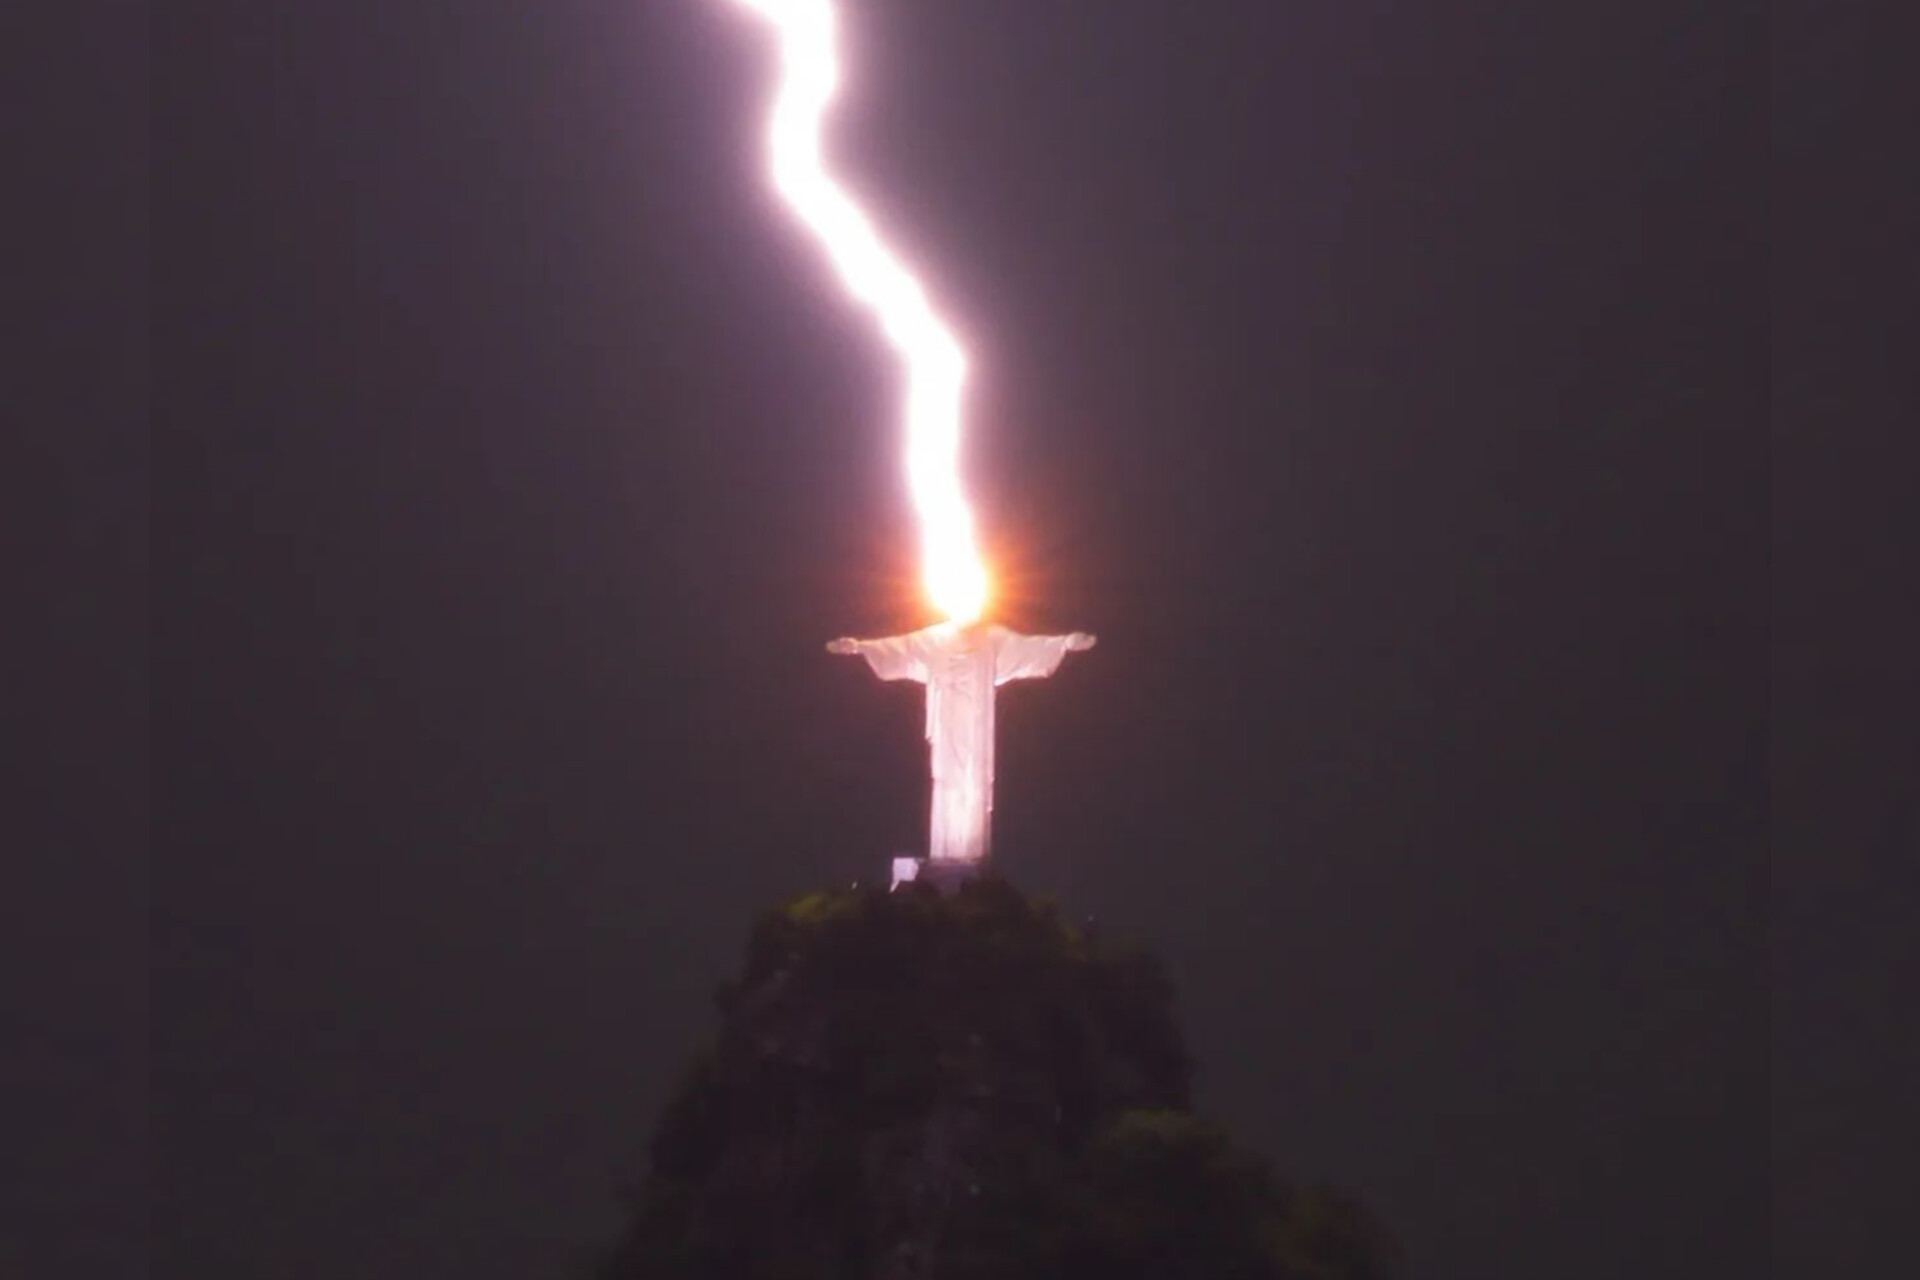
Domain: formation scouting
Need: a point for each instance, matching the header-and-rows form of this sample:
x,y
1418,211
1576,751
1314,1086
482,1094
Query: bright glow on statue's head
x,y
956,585
951,571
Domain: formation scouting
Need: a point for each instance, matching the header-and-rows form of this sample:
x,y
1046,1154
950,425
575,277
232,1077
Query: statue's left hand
x,y
1080,642
844,645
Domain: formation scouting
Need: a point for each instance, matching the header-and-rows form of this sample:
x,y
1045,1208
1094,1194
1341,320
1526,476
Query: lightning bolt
x,y
954,577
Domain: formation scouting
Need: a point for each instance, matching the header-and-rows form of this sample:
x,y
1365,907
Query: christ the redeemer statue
x,y
961,665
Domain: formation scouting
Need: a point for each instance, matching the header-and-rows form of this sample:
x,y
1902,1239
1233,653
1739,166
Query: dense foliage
x,y
959,1086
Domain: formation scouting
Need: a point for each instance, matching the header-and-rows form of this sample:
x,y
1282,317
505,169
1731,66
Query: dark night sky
x,y
1377,379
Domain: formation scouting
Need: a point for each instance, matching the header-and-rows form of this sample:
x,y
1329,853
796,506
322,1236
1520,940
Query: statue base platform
x,y
944,874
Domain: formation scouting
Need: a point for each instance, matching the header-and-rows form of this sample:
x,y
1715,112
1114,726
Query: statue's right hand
x,y
844,645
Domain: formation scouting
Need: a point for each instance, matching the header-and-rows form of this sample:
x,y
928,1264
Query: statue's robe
x,y
961,667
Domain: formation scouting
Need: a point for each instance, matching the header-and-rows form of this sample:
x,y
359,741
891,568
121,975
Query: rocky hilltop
x,y
924,1085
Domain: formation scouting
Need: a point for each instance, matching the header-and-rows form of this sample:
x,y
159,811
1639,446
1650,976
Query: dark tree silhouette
x,y
961,1087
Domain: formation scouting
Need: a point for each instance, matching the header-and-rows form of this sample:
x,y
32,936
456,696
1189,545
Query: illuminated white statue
x,y
960,660
961,664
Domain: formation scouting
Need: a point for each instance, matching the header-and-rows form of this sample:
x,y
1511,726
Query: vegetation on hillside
x,y
967,1087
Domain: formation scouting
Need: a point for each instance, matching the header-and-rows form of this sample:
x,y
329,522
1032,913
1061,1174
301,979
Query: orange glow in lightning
x,y
951,569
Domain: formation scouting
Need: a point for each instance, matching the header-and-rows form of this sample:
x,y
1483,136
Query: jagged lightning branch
x,y
954,576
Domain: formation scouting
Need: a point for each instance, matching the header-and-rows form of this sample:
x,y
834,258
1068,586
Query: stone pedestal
x,y
945,874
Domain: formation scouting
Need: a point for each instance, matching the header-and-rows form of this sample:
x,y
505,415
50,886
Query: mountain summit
x,y
965,1086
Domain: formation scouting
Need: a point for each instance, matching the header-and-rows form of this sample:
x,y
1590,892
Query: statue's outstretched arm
x,y
1019,657
893,658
